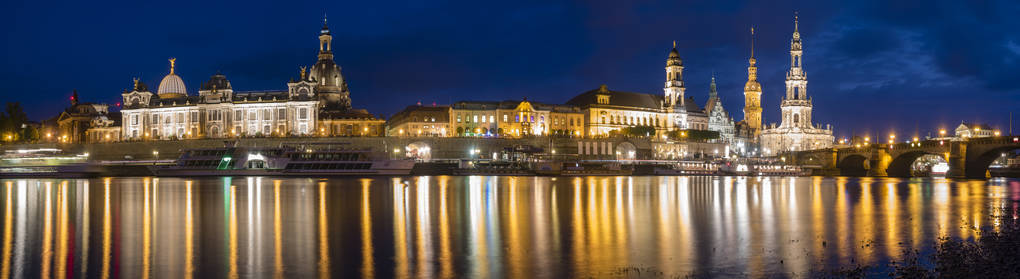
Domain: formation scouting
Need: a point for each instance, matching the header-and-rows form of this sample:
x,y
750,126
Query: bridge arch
x,y
626,151
419,150
977,166
853,165
900,165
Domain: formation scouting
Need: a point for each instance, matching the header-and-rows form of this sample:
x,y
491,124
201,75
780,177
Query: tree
x,y
638,131
694,135
29,134
11,122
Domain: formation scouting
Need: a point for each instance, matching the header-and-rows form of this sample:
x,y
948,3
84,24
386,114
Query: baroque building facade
x,y
594,113
796,132
718,119
610,110
316,104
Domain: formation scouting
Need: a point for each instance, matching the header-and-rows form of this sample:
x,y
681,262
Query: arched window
x,y
796,118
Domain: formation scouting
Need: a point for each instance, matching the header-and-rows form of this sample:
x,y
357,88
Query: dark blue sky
x,y
873,66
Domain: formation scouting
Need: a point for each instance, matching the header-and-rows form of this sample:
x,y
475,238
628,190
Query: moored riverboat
x,y
304,160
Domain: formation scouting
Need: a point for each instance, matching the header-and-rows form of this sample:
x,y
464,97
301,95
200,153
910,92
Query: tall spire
x,y
752,44
712,93
796,22
752,94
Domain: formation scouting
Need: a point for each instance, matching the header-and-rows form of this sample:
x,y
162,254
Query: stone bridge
x,y
967,159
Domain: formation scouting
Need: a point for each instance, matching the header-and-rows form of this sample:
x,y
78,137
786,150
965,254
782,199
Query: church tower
x,y
674,89
796,105
330,86
752,94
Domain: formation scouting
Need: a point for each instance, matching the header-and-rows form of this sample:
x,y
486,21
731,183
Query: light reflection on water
x,y
532,227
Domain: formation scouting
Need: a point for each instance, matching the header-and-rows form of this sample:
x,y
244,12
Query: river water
x,y
478,227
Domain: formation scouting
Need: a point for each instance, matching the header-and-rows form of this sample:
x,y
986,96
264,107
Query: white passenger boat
x,y
283,161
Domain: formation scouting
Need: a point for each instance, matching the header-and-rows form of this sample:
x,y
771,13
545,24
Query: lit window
x,y
476,119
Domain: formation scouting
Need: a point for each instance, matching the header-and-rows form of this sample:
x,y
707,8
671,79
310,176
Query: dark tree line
x,y
14,125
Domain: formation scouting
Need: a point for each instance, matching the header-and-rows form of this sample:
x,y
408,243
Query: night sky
x,y
873,66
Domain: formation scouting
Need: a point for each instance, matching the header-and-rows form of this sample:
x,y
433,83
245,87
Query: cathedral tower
x,y
752,94
796,105
674,89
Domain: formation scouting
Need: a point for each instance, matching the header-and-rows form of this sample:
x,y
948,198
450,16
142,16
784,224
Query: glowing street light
x,y
942,132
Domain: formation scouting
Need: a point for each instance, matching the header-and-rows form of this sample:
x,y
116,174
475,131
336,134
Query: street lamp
x,y
155,154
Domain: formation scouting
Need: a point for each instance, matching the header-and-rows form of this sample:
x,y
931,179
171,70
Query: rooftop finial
x,y
674,43
752,41
796,21
325,20
173,62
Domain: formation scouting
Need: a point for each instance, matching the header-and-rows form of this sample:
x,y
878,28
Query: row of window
x,y
329,166
630,120
217,115
325,156
200,163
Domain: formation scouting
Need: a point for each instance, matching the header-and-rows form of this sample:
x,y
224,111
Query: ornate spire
x,y
752,70
712,93
795,44
173,62
752,45
796,22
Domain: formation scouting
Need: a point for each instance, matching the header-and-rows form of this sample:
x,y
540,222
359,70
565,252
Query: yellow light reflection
x,y
85,229
422,228
445,254
189,230
8,230
107,230
232,273
146,231
367,253
277,233
400,228
864,223
891,226
47,248
323,233
62,240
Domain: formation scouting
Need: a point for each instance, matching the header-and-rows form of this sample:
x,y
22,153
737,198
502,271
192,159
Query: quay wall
x,y
441,148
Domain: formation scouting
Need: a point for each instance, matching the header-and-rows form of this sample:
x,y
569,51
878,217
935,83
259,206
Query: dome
x,y
216,82
172,86
674,54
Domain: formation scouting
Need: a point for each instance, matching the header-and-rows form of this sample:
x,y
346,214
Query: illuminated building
x,y
514,119
973,130
318,103
420,121
86,122
796,132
